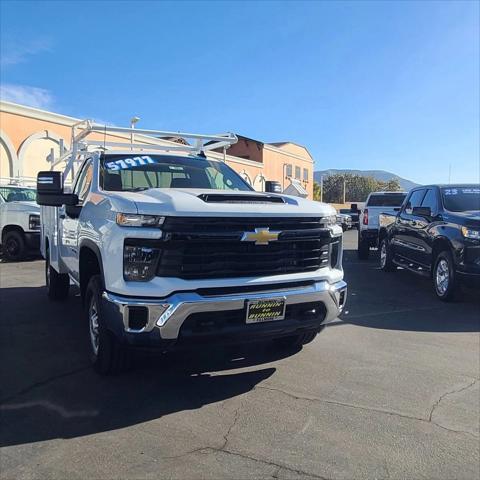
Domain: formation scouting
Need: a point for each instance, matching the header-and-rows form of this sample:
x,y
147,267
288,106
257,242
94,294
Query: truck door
x,y
406,237
69,219
424,238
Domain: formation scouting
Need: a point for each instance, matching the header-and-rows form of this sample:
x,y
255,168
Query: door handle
x,y
414,223
62,216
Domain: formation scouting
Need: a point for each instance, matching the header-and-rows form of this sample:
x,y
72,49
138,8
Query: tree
x,y
392,185
317,191
357,187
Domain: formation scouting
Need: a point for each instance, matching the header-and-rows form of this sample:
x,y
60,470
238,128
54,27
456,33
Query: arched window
x,y
245,176
8,157
34,150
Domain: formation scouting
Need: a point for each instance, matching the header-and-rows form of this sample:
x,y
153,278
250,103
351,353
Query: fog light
x,y
137,317
139,263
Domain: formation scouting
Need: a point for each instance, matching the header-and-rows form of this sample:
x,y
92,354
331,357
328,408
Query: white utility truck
x,y
19,219
171,249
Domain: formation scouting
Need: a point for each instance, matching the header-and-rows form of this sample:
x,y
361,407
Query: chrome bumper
x,y
168,314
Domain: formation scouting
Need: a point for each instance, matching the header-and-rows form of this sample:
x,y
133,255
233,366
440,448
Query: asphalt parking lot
x,y
390,390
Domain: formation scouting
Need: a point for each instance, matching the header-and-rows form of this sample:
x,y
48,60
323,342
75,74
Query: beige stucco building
x,y
27,136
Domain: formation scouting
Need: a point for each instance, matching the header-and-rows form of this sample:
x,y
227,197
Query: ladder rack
x,y
137,140
26,182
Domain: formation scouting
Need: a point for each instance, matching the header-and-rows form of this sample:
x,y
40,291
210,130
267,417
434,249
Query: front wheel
x,y
58,284
443,276
108,355
14,247
386,260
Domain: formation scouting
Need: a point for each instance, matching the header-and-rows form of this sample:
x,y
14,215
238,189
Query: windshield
x,y
386,200
123,173
461,199
15,194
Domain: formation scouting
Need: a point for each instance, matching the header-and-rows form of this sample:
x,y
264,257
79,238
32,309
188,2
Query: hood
x,y
26,206
468,219
203,202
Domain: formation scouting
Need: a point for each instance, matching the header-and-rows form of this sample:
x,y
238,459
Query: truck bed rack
x,y
141,140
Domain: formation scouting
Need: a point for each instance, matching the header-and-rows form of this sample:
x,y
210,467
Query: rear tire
x,y
58,284
109,356
14,246
386,257
295,341
363,250
445,284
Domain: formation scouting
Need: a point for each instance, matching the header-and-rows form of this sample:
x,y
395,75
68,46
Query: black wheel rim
x,y
12,247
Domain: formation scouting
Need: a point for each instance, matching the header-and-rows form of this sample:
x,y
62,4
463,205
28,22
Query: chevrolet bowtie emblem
x,y
261,236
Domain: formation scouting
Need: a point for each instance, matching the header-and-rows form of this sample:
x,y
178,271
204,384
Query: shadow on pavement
x,y
49,391
402,300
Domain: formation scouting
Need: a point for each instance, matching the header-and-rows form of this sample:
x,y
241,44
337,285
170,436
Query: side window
x,y
430,200
414,200
82,187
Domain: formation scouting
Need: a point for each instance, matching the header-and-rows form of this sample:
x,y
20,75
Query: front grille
x,y
204,248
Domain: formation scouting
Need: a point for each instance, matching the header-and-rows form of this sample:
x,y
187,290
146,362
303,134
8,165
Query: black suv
x,y
435,233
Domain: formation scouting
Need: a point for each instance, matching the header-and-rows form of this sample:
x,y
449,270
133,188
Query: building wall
x,y
276,161
27,135
247,149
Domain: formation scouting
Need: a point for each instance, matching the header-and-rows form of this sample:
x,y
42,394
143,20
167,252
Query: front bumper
x,y
166,316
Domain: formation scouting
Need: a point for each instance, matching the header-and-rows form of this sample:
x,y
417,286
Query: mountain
x,y
381,175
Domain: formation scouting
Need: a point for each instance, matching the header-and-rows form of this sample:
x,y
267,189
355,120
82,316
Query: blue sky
x,y
368,85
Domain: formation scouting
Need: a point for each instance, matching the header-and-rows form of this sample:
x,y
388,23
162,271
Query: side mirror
x,y
272,186
422,211
50,190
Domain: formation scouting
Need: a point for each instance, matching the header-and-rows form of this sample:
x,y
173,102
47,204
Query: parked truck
x,y
436,233
172,249
19,219
368,229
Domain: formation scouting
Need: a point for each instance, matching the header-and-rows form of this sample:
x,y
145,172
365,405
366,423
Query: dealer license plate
x,y
265,310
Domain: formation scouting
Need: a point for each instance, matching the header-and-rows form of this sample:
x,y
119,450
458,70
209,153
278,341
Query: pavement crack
x,y
230,428
369,409
42,383
446,394
274,464
207,447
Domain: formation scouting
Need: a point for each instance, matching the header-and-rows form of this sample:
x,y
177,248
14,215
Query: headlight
x,y
136,220
34,222
469,233
327,221
139,262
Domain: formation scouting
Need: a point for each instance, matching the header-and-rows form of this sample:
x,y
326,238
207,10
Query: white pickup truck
x,y
174,249
19,220
368,228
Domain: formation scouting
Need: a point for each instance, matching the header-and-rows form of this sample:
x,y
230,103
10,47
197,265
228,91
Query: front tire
x,y
58,284
14,247
386,257
109,357
444,278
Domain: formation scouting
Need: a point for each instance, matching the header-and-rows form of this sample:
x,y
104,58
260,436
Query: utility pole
x,y
321,188
344,190
449,173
